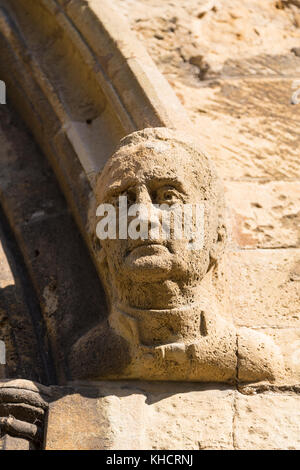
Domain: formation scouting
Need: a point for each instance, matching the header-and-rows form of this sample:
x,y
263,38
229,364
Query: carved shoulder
x,y
259,358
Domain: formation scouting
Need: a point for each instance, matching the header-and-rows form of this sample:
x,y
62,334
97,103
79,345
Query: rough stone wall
x,y
233,64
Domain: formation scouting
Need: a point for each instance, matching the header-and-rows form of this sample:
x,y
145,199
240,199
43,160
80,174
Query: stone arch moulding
x,y
81,81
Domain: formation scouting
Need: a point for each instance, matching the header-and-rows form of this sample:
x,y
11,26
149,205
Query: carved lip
x,y
144,243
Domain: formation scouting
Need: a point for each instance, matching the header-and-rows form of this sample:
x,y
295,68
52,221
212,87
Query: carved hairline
x,y
163,135
149,137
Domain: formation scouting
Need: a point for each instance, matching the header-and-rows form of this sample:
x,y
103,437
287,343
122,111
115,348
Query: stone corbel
x,y
23,411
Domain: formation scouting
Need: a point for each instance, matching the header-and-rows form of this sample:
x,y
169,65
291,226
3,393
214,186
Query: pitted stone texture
x,y
232,67
140,415
233,38
195,418
167,297
248,126
22,413
53,254
264,215
288,339
265,288
267,421
165,416
21,348
107,416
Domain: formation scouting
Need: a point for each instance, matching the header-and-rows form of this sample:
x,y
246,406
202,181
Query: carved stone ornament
x,y
167,302
22,414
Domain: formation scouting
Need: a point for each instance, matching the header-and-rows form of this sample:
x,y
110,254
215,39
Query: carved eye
x,y
130,194
114,200
167,195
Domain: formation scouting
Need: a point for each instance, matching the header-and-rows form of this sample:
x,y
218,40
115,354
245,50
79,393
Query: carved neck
x,y
158,327
165,294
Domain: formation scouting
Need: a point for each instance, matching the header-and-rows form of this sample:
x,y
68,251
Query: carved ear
x,y
218,247
105,276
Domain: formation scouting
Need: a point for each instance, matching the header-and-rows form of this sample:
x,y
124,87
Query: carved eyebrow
x,y
118,188
157,183
154,183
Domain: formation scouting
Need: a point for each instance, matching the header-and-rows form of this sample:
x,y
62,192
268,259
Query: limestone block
x,y
267,421
249,127
264,287
141,415
191,417
110,416
264,215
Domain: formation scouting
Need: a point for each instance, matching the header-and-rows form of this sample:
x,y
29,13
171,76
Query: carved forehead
x,y
154,160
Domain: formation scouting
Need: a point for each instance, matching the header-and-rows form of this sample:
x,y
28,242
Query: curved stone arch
x,y
81,81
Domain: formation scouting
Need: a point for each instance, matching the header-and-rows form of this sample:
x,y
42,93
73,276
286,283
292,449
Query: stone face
x,y
163,290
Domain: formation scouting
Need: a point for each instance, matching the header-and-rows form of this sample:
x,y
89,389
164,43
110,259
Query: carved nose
x,y
143,196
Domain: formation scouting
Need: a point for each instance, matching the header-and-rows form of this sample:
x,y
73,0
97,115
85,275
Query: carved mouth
x,y
145,244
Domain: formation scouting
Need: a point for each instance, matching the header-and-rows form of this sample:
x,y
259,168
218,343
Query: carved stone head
x,y
154,167
165,319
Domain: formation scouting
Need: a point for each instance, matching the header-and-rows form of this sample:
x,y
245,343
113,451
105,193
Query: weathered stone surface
x,y
288,339
142,415
191,418
22,414
139,415
248,126
267,421
97,418
264,287
40,218
232,67
13,443
264,215
163,289
232,38
16,298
